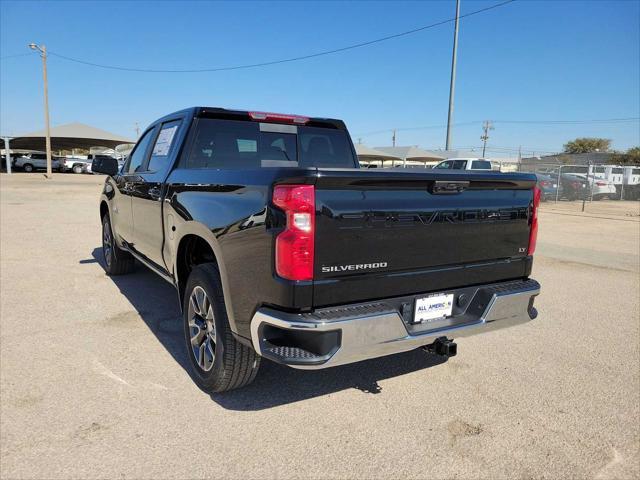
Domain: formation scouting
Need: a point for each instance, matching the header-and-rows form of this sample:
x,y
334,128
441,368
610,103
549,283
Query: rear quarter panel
x,y
231,210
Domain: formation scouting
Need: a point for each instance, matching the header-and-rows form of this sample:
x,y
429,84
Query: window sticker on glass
x,y
245,145
163,144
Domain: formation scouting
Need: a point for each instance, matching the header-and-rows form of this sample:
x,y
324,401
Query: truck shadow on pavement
x,y
157,304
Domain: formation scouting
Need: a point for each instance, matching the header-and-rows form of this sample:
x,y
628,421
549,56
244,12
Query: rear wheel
x,y
27,167
116,260
218,361
77,169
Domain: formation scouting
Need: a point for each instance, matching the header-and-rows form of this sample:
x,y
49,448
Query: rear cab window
x,y
237,144
481,165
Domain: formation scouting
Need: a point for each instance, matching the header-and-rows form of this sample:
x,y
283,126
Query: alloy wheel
x,y
202,328
107,243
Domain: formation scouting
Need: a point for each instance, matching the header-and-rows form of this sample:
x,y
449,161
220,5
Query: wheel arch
x,y
194,247
104,209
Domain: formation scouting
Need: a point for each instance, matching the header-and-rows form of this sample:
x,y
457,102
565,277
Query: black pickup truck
x,y
280,247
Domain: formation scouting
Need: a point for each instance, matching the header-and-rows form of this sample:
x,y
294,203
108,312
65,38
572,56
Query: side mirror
x,y
105,165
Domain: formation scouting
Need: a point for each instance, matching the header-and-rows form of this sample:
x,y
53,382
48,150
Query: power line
x,y
407,129
16,55
570,122
286,60
523,122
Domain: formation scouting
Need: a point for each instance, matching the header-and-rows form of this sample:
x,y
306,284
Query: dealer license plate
x,y
434,307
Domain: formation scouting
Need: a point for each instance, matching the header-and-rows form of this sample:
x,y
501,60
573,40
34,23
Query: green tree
x,y
634,155
587,145
631,157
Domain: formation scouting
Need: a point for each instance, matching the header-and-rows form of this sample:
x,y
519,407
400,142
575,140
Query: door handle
x,y
154,193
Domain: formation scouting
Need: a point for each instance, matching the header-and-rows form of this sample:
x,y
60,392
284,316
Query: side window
x,y
444,165
163,147
137,156
459,164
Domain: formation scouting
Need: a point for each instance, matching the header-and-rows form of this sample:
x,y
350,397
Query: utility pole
x,y
486,126
43,53
519,158
393,138
137,130
452,85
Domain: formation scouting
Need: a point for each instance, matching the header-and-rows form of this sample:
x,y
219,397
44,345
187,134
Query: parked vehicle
x,y
598,188
35,161
576,187
75,165
100,157
548,187
464,164
281,247
573,187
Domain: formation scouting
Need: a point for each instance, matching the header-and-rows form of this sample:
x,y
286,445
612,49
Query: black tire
x,y
116,260
77,169
230,363
27,167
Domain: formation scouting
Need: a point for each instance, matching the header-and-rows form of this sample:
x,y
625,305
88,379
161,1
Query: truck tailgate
x,y
388,233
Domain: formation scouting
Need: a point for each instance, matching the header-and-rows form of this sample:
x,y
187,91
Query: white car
x,y
35,161
464,164
75,165
600,187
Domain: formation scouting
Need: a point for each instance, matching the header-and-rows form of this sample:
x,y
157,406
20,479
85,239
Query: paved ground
x,y
93,382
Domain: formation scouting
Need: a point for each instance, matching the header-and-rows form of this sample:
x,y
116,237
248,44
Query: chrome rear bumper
x,y
347,334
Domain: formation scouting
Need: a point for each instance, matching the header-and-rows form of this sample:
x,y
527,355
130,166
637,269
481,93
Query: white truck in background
x,y
465,164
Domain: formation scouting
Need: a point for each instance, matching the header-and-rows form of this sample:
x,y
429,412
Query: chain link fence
x,y
586,182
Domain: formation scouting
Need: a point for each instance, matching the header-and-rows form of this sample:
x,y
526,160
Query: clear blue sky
x,y
529,60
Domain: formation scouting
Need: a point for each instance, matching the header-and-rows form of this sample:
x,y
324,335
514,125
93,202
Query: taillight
x,y
533,233
544,183
278,117
295,245
601,184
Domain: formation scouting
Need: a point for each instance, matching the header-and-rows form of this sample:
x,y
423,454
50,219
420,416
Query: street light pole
x,y
452,85
43,53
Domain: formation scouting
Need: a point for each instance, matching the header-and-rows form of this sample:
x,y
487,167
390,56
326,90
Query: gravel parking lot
x,y
93,380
